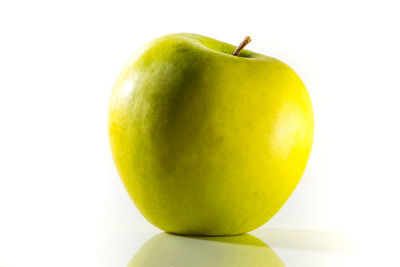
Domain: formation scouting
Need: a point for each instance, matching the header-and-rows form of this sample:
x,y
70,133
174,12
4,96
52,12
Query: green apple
x,y
165,250
207,142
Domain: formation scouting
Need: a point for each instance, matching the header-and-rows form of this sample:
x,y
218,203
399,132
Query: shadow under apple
x,y
189,251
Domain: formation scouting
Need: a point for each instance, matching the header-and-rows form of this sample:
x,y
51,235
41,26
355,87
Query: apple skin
x,y
207,143
165,250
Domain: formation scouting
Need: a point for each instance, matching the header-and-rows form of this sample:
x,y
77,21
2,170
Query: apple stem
x,y
240,47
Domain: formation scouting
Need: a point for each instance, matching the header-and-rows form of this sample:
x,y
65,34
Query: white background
x,y
61,201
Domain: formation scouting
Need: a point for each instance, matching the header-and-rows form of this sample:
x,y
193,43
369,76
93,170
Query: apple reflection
x,y
188,251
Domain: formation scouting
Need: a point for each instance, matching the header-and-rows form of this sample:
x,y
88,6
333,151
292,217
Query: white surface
x,y
61,203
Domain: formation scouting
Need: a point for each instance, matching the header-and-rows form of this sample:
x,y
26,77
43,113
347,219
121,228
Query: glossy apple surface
x,y
207,143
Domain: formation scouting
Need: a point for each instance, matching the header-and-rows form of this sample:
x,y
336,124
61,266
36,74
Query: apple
x,y
208,142
180,251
